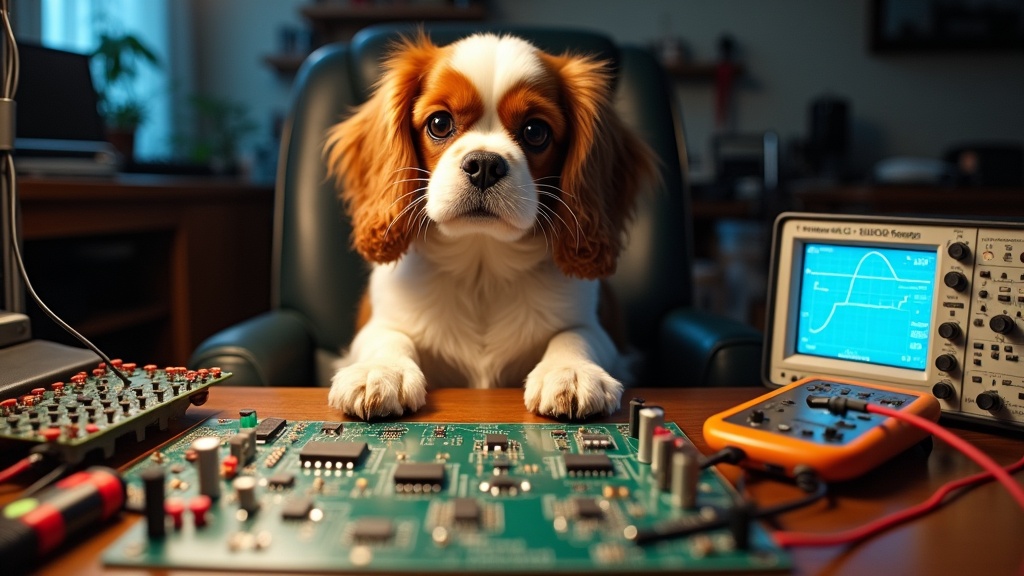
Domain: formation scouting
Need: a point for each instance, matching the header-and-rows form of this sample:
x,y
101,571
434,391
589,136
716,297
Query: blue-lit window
x,y
76,25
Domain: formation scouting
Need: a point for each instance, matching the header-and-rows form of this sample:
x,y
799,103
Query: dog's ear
x,y
606,167
373,158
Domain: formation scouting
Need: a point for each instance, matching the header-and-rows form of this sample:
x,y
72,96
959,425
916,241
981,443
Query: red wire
x,y
15,469
791,539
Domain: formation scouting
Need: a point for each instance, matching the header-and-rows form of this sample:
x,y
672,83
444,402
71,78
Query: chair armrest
x,y
272,349
705,349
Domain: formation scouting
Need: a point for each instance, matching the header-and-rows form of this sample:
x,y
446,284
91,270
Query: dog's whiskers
x,y
412,205
579,229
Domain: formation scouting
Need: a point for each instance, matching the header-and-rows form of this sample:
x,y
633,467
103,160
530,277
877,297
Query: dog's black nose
x,y
484,168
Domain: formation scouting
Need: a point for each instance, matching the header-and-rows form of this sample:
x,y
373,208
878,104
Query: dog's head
x,y
491,136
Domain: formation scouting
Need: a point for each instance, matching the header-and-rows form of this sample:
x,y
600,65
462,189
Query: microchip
x,y
501,463
332,428
465,511
440,431
422,473
372,530
587,508
336,454
392,433
504,485
588,464
597,441
496,442
268,429
296,508
558,434
281,480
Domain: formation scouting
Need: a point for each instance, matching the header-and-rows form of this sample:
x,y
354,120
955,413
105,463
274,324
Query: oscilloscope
x,y
925,304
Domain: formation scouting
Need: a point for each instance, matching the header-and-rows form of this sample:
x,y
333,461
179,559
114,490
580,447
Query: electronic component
x,y
91,412
466,511
419,476
332,454
948,291
465,519
372,530
332,428
493,442
268,429
297,508
597,441
153,483
780,431
650,418
588,464
207,455
281,480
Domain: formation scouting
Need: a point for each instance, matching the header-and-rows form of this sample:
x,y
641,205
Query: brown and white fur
x,y
490,185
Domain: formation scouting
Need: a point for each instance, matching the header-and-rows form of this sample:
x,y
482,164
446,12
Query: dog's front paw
x,y
379,388
574,391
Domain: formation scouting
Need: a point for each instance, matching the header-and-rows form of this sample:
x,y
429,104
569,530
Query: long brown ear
x,y
372,156
605,168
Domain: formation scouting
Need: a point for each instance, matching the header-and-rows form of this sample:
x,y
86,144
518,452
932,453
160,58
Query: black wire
x,y
12,72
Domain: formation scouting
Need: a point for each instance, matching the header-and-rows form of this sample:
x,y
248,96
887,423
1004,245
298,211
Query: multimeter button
x,y
783,427
832,433
807,432
757,416
845,424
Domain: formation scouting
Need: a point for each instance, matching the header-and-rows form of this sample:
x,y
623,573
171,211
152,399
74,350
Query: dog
x,y
489,185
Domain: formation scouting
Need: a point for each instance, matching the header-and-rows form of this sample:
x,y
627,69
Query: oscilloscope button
x,y
982,293
950,330
989,400
946,362
955,280
942,390
958,251
1001,324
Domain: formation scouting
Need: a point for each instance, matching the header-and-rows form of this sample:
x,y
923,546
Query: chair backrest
x,y
317,273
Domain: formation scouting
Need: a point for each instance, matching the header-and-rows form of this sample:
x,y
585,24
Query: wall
x,y
793,51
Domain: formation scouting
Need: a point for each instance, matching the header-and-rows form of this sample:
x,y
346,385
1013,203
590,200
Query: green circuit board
x,y
404,497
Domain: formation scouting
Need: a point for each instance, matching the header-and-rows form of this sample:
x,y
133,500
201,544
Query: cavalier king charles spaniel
x,y
489,184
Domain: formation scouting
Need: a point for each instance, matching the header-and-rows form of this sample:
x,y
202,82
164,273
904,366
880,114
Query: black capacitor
x,y
153,482
634,416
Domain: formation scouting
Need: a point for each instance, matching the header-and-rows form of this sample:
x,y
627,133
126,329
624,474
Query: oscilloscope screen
x,y
866,304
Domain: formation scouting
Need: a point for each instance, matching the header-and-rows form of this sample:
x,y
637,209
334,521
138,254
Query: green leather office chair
x,y
318,279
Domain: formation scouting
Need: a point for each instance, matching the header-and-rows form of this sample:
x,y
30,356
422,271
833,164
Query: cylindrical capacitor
x,y
661,459
685,477
245,490
650,418
634,416
207,451
153,483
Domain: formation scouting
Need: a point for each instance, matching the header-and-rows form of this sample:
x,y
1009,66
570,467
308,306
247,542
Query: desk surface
x,y
979,533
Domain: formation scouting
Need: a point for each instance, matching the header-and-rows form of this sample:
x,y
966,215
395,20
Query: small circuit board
x,y
91,411
411,497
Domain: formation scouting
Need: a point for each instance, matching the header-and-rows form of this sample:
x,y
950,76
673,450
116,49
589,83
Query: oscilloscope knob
x,y
958,251
950,330
943,390
1001,324
989,400
955,280
946,362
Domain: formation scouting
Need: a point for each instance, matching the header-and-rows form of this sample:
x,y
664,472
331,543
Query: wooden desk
x,y
979,533
147,266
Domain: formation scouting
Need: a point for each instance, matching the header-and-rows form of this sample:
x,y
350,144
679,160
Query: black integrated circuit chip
x,y
296,508
333,454
419,473
281,480
332,428
375,530
588,464
588,508
494,442
268,429
466,511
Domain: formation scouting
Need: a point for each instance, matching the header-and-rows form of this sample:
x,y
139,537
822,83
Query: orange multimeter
x,y
781,431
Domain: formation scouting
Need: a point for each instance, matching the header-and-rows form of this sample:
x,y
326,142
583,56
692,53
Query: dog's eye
x,y
440,125
536,134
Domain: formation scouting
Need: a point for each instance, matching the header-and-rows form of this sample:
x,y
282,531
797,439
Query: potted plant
x,y
119,57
